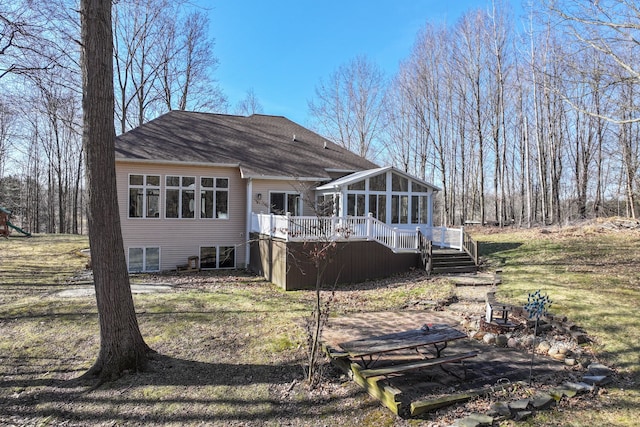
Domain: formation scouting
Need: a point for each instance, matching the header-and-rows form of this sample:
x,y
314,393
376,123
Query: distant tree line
x,y
527,120
522,120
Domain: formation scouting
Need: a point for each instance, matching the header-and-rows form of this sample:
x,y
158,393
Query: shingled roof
x,y
262,146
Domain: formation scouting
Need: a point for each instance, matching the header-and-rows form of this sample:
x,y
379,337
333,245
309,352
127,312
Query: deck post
x,y
289,231
369,226
272,230
418,238
462,238
395,238
443,236
334,226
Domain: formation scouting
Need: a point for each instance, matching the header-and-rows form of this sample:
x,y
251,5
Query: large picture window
x,y
215,257
144,196
180,196
144,259
214,198
281,203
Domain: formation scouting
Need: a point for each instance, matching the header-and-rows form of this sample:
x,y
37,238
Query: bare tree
x,y
24,49
163,61
121,344
187,65
348,106
249,105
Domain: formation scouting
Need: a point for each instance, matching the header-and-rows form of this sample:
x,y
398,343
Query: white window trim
x,y
287,193
144,259
218,257
144,186
213,189
180,189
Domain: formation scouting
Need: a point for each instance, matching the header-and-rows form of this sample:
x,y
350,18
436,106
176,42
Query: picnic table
x,y
369,350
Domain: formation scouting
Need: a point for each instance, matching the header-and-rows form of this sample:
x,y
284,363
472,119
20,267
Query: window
x,y
355,204
180,196
418,188
356,186
144,259
281,203
399,209
419,209
378,206
399,183
214,198
212,257
144,196
378,183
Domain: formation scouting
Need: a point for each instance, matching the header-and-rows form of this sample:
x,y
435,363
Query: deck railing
x,y
398,238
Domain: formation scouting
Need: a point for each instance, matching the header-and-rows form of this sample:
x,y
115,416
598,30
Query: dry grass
x,y
231,346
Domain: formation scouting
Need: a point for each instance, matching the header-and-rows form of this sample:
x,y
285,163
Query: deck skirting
x,y
290,266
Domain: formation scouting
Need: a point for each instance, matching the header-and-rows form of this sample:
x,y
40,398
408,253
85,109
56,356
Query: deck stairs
x,y
452,261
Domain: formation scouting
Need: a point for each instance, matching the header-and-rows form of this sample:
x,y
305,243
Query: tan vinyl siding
x,y
264,187
181,238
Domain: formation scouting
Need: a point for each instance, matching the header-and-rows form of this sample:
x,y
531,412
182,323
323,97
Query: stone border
x,y
521,409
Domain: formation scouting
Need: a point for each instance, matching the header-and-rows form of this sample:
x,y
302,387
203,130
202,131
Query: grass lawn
x,y
231,347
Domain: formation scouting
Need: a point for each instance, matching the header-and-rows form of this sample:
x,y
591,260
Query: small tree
x,y
537,306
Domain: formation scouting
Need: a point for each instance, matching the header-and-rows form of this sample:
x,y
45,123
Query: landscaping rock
x,y
500,408
501,340
558,393
596,379
596,369
580,387
522,415
489,338
543,347
474,420
528,341
570,361
513,343
519,405
542,401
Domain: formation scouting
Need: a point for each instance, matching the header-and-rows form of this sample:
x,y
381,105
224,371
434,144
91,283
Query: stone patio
x,y
493,368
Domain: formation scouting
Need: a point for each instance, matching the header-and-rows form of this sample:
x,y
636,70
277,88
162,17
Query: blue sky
x,y
282,48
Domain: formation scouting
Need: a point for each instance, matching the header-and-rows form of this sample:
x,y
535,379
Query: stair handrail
x,y
425,247
470,246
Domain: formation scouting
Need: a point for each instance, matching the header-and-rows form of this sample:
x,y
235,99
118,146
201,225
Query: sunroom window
x,y
355,204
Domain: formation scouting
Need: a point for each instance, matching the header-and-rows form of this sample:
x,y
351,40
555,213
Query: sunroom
x,y
388,194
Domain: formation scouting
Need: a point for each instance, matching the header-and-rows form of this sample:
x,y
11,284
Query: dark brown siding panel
x,y
354,262
289,265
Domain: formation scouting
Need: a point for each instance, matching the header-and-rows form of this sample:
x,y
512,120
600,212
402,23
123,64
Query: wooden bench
x,y
412,366
498,313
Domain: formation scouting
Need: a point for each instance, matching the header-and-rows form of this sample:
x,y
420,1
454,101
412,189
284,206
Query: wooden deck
x,y
288,264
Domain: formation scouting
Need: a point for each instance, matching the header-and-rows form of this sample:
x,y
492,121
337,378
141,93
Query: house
x,y
230,190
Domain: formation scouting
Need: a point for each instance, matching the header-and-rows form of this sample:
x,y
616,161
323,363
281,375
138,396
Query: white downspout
x,y
249,208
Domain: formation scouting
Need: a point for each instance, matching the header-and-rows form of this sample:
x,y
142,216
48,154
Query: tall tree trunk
x,y
121,344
